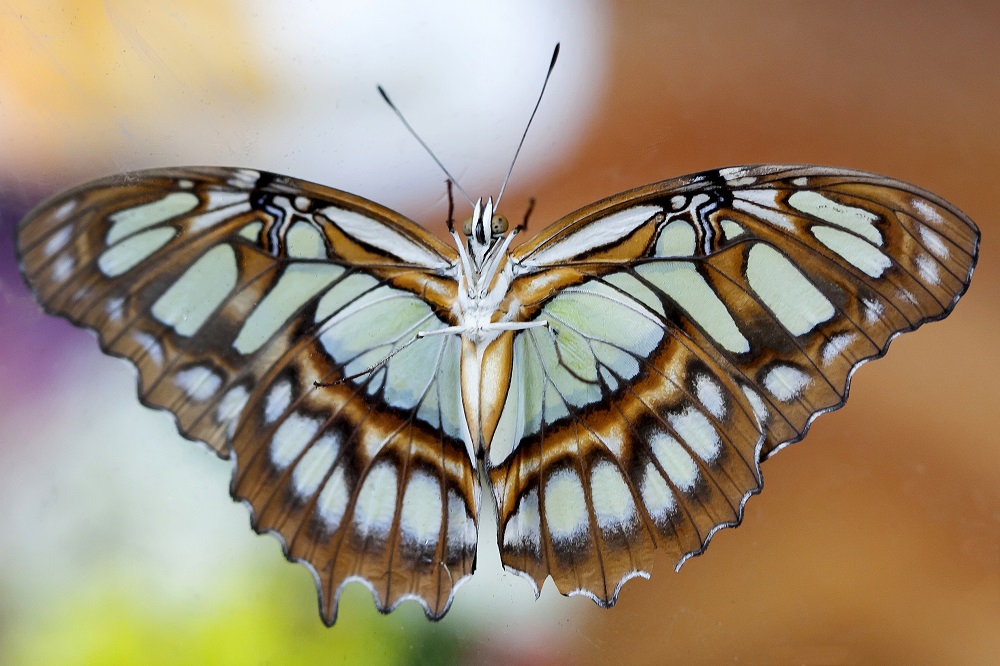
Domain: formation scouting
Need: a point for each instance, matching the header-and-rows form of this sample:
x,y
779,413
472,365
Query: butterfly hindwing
x,y
244,299
696,326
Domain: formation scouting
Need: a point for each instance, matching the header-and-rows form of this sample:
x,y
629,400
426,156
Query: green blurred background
x,y
877,538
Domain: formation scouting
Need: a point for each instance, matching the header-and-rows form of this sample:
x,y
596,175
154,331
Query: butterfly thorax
x,y
484,275
487,314
482,315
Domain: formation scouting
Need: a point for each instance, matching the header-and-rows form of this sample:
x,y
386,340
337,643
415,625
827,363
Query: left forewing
x,y
253,307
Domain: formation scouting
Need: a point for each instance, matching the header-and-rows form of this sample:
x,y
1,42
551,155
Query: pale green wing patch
x,y
578,360
371,332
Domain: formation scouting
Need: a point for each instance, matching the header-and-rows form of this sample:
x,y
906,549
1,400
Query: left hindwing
x,y
696,326
245,299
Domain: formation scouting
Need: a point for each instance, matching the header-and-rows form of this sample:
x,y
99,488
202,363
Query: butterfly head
x,y
483,231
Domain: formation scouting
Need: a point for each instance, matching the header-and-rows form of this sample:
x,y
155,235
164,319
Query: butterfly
x,y
612,384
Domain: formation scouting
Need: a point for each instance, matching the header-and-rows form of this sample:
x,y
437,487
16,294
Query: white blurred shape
x,y
466,76
299,95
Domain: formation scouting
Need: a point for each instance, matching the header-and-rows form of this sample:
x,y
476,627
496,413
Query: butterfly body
x,y
612,384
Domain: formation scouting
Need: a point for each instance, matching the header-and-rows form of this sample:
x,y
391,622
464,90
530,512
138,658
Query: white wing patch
x,y
332,502
152,347
129,253
928,268
62,268
203,287
198,383
856,251
605,231
756,404
612,500
421,515
687,287
291,438
231,407
656,495
384,237
797,304
524,526
934,242
210,218
299,283
762,203
677,239
786,382
462,533
697,432
710,395
731,229
305,242
315,465
835,346
565,506
131,220
59,239
678,464
277,400
855,220
376,505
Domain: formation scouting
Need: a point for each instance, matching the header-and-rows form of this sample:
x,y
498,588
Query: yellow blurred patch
x,y
84,83
84,57
110,619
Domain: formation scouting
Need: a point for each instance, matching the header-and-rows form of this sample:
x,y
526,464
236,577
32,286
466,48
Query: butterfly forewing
x,y
244,299
691,328
695,327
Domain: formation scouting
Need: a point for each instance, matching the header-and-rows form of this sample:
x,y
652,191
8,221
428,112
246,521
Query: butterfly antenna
x,y
555,54
451,207
416,136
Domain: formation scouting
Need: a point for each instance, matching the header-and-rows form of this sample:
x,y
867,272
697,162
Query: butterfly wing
x,y
696,326
733,307
244,299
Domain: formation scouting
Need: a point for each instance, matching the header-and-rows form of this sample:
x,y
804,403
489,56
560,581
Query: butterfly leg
x,y
512,325
449,330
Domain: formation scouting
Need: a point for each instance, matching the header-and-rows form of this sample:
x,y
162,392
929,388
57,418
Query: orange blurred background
x,y
877,538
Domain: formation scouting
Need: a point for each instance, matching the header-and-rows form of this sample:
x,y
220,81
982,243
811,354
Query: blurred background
x,y
877,539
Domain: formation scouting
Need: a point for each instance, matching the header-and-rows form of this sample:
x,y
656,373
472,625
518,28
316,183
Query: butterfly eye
x,y
499,225
467,226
